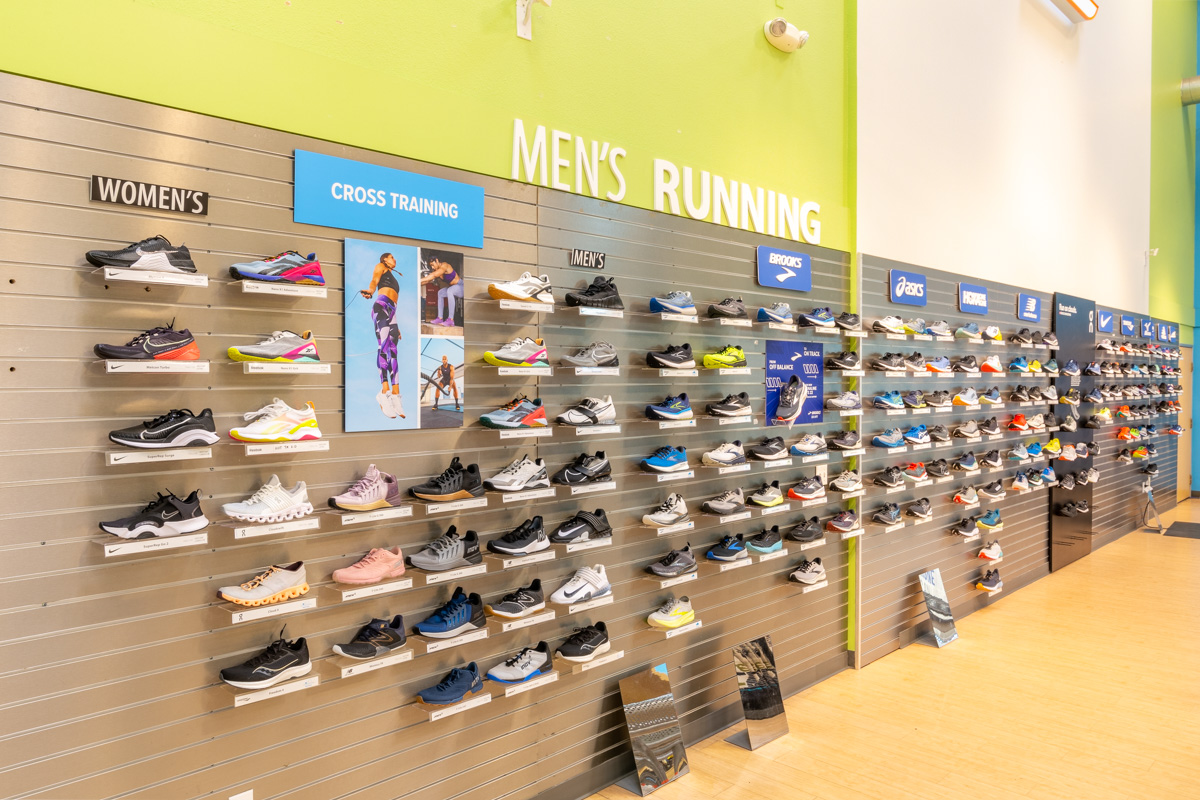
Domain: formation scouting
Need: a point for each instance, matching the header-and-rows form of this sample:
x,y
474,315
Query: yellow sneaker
x,y
673,614
731,356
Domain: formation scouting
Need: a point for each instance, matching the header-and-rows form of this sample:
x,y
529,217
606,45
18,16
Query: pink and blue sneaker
x,y
287,267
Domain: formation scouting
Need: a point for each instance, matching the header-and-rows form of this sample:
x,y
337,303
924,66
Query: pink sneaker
x,y
437,321
377,565
448,323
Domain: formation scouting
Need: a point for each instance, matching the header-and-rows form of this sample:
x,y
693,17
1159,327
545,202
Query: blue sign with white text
x,y
907,288
340,193
1129,326
972,299
1172,333
783,269
1162,331
1029,307
1104,321
805,359
1147,329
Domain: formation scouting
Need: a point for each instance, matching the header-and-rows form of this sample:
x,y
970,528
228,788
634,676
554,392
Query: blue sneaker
x,y
1018,364
889,400
1034,449
892,437
990,520
458,683
991,396
671,408
1071,369
968,331
1018,453
820,318
1050,367
667,459
915,399
674,303
779,312
1020,482
966,462
939,364
1048,476
462,614
730,548
916,435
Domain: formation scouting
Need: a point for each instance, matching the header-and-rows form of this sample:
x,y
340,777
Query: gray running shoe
x,y
939,328
674,563
520,352
281,346
276,584
729,308
968,430
449,551
596,354
727,502
845,440
845,401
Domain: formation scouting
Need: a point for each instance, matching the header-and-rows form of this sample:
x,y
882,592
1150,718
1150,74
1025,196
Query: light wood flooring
x,y
1085,684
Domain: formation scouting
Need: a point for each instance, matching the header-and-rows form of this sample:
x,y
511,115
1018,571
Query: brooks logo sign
x,y
784,269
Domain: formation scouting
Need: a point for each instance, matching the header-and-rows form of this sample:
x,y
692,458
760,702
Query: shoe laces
x,y
447,612
664,507
669,606
443,543
276,408
162,498
369,633
663,452
361,486
448,476
375,555
257,580
263,492
171,415
517,533
274,650
523,658
274,337
512,404
514,467
141,337
451,679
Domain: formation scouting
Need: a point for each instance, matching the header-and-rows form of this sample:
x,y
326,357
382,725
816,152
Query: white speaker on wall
x,y
1078,10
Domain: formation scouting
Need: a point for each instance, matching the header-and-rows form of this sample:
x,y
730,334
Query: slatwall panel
x,y
1119,500
892,606
109,682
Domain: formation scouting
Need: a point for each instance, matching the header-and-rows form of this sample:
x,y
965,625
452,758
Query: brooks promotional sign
x,y
1104,321
1029,307
803,359
783,269
339,193
972,299
907,288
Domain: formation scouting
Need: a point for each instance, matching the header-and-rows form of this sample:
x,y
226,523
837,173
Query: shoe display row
x,y
941,329
157,254
916,362
1137,348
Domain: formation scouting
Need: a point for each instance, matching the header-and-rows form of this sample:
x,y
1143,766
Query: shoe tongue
x,y
372,473
274,481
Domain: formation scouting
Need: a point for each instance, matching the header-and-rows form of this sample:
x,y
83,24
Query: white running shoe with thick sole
x,y
272,503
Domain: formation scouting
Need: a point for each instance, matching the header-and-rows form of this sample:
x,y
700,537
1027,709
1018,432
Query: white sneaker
x,y
279,422
672,510
992,332
272,503
276,584
810,443
993,362
725,455
385,404
848,481
992,551
590,411
809,572
586,584
397,405
523,666
890,324
524,473
526,287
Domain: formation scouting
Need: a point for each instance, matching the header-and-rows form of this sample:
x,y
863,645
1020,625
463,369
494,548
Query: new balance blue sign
x,y
783,269
1104,321
339,193
1029,307
1129,326
972,299
907,288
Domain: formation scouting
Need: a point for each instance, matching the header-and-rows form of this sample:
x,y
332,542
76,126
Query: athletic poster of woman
x,y
404,321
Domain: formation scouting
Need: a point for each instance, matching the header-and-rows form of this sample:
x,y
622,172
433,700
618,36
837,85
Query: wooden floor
x,y
1085,684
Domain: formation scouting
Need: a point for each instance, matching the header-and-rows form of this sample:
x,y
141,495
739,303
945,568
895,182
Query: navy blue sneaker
x,y
1071,369
462,614
458,683
992,395
667,459
731,548
671,408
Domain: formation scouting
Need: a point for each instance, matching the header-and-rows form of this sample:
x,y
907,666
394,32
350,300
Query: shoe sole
x,y
709,462
302,433
680,467
462,562
285,675
461,494
599,651
668,365
188,439
296,512
496,293
647,521
371,582
500,362
543,483
286,594
237,274
769,504
363,507
166,531
689,414
464,628
455,701
522,615
714,364
653,623
523,551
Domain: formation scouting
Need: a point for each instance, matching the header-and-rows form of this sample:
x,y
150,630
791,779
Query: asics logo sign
x,y
784,269
907,288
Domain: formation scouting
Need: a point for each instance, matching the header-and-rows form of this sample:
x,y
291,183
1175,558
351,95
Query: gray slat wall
x,y
1119,500
108,683
892,607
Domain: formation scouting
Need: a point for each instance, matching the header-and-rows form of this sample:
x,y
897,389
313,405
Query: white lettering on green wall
x,y
532,163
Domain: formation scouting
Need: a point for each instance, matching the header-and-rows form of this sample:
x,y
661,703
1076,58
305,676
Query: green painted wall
x,y
691,81
1172,166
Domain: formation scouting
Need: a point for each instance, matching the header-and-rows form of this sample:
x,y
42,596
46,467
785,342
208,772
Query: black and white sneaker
x,y
1022,336
166,515
921,509
176,428
457,482
845,360
806,530
989,427
938,469
590,411
729,308
966,364
674,357
585,469
891,477
602,293
849,322
991,459
281,661
769,449
734,405
582,527
155,254
585,644
520,603
528,537
888,362
845,440
939,399
791,400
378,637
939,433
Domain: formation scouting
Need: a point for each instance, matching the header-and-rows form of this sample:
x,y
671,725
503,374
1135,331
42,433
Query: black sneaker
x,y
890,477
583,526
765,542
966,462
520,603
939,399
1067,482
966,364
528,537
806,530
585,469
845,440
155,254
989,427
791,400
992,491
729,308
176,428
163,343
1068,510
1050,339
734,405
965,527
1035,393
921,509
915,362
674,357
378,637
1036,337
166,515
1022,336
1082,507
585,643
601,294
991,459
938,469
768,449
888,514
848,321
846,360
455,483
281,661
888,362
1020,395
990,582
939,433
